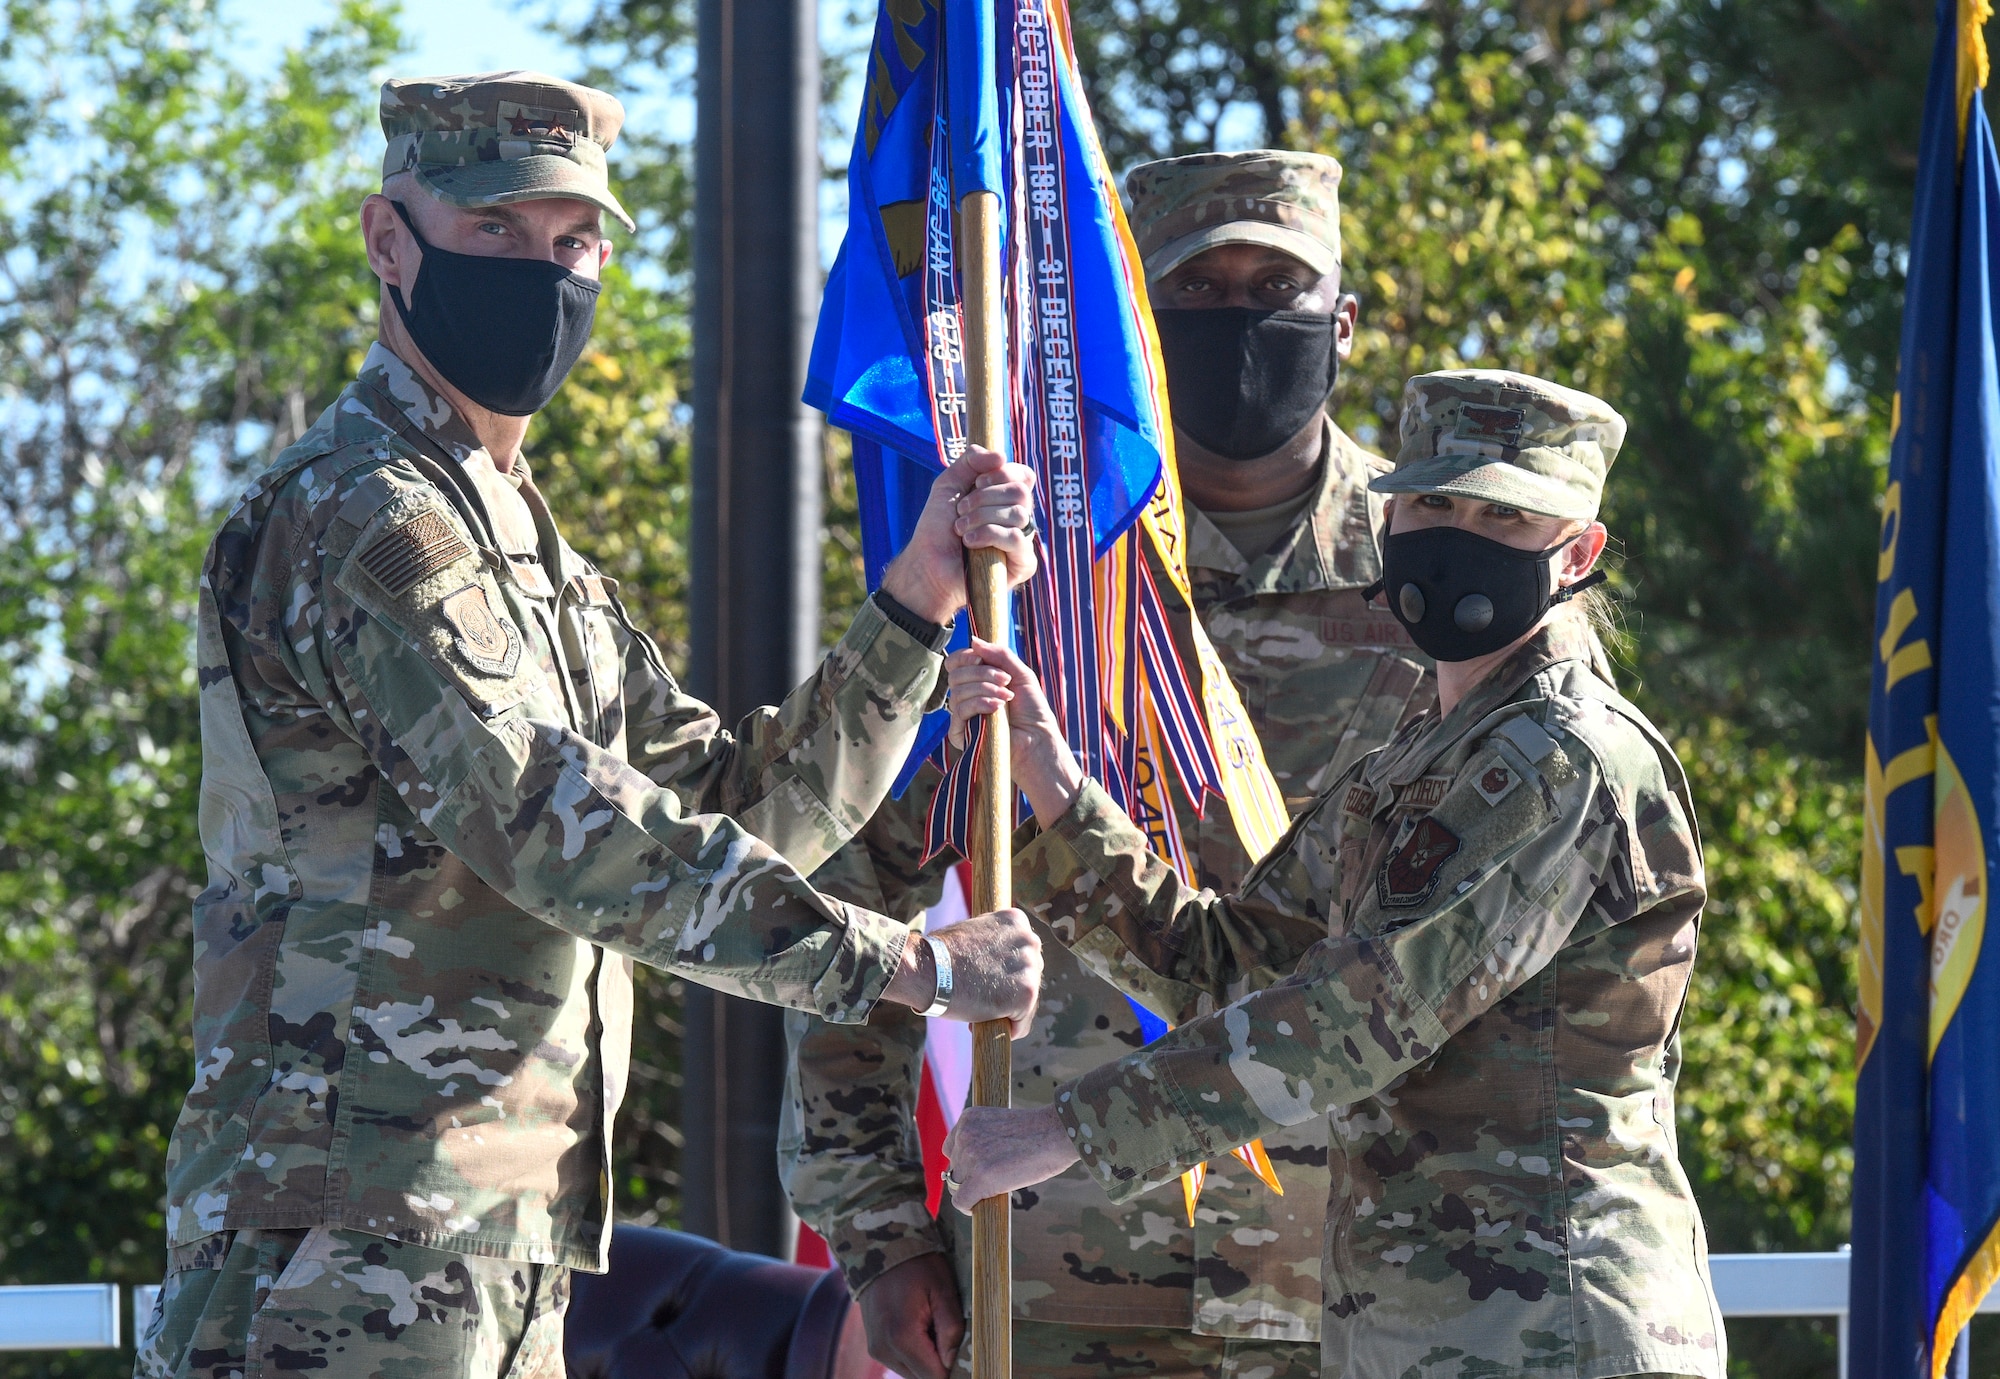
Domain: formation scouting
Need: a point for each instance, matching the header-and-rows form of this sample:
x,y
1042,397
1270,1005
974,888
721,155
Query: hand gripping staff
x,y
993,786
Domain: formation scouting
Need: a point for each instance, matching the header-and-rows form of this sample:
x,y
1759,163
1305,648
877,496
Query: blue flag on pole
x,y
869,369
1927,1101
887,359
969,96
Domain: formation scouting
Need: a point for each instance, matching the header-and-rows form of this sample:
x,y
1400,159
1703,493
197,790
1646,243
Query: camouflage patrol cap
x,y
492,138
1505,438
1290,201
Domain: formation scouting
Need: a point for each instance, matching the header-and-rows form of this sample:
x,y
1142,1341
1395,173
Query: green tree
x,y
183,291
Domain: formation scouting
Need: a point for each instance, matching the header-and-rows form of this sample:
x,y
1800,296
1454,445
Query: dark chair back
x,y
677,1306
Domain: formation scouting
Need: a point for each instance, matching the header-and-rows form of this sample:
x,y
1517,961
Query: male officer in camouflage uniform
x,y
450,793
1514,889
1280,544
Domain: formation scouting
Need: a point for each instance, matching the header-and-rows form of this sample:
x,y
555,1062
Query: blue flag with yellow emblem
x,y
1926,1237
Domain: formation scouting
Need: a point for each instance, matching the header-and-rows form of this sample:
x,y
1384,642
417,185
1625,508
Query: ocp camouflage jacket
x,y
1513,895
1325,678
448,792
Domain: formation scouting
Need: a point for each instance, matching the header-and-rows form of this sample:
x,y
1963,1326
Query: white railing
x,y
85,1316
59,1316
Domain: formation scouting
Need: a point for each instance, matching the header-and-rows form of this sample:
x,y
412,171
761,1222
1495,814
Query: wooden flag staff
x,y
993,787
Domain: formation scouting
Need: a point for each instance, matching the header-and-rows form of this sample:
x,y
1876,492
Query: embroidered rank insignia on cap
x,y
1490,425
483,635
1411,872
1496,783
420,547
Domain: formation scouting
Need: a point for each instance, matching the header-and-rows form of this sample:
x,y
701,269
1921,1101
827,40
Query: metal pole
x,y
754,614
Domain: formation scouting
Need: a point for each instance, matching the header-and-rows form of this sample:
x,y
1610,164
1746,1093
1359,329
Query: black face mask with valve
x,y
1462,595
505,332
1243,382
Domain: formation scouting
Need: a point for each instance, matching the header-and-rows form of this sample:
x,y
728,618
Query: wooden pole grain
x,y
993,789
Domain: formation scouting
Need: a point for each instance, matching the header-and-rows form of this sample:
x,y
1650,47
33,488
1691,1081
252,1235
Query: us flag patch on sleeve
x,y
420,547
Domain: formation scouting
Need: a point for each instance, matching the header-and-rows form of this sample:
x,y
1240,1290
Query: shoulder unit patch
x,y
484,636
419,548
1410,873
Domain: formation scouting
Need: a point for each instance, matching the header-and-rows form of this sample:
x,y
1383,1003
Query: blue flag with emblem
x,y
1926,1236
968,96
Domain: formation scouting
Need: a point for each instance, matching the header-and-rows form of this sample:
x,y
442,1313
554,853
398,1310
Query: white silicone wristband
x,y
941,963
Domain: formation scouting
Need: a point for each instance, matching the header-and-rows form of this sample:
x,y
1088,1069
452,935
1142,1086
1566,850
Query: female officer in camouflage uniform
x,y
1488,927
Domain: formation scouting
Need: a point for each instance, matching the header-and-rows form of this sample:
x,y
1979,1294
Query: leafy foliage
x,y
183,290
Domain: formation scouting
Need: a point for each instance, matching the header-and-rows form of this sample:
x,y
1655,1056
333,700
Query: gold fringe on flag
x,y
1972,67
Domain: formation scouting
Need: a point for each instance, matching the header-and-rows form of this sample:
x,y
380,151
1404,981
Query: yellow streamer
x,y
1256,805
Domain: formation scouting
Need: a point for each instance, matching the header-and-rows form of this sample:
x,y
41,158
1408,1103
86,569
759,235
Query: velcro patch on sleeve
x,y
1529,736
1410,873
450,609
415,550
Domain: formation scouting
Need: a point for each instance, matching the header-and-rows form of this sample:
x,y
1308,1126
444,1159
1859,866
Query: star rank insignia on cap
x,y
1411,872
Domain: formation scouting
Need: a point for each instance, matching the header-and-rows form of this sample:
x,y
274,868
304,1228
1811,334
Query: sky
x,y
448,35
451,36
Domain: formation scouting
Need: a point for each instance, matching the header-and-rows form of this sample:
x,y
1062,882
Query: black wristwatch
x,y
934,636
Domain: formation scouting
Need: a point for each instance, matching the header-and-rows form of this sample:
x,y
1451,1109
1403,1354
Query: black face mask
x,y
1463,595
1244,382
505,332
